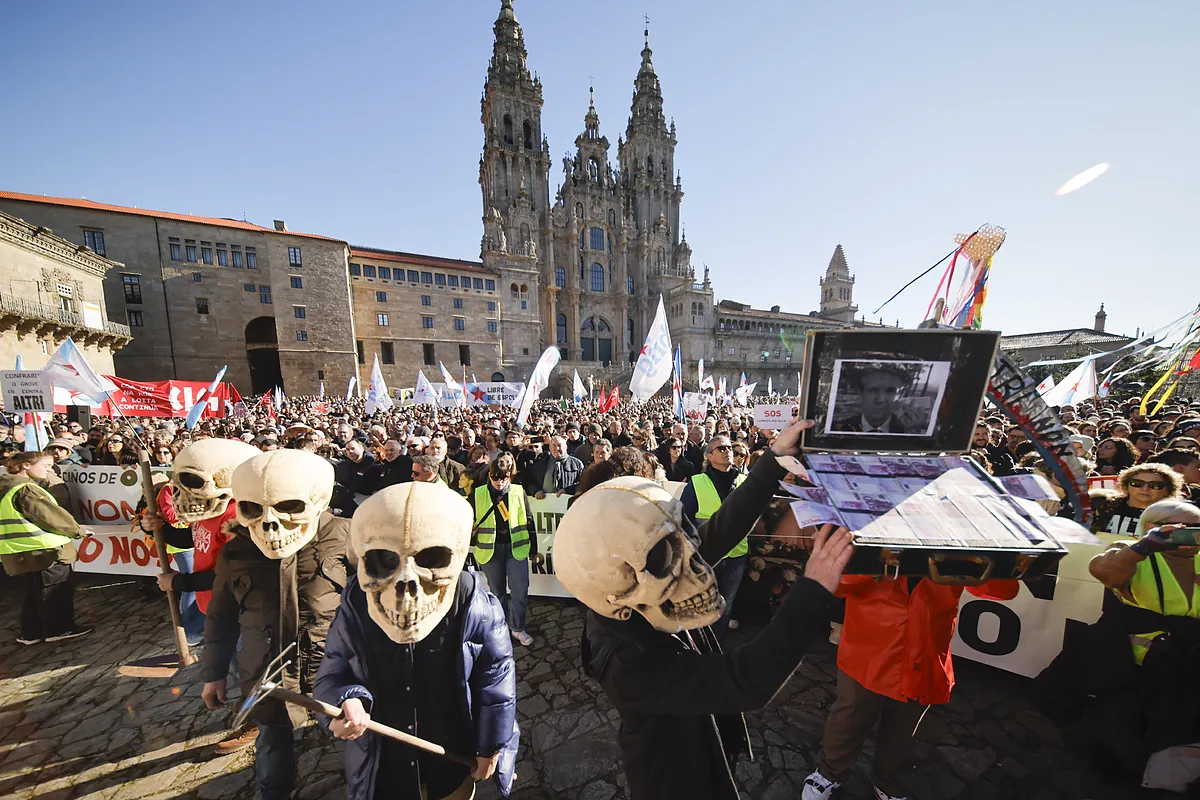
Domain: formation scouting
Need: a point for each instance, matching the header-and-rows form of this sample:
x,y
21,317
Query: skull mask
x,y
280,496
411,541
202,475
622,547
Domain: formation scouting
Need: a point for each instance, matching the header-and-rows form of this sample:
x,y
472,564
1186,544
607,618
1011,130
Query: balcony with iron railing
x,y
28,317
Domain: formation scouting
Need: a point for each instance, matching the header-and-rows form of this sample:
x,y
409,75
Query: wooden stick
x,y
185,655
317,707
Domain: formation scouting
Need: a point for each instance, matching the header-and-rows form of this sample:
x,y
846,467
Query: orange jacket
x,y
897,643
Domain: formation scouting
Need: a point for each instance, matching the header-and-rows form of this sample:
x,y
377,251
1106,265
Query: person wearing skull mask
x,y
278,583
625,546
419,644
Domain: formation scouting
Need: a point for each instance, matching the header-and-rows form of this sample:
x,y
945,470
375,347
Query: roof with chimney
x,y
1065,338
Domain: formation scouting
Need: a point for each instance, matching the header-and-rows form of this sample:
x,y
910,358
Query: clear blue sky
x,y
885,126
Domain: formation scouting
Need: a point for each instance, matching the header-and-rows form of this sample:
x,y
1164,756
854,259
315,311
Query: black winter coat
x,y
680,698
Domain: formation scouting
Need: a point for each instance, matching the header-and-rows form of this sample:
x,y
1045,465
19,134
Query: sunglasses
x,y
1158,486
742,453
723,448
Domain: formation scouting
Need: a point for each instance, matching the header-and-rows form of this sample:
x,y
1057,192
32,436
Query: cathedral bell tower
x,y
837,289
514,180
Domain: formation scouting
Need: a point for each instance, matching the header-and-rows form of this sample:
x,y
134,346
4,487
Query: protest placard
x,y
26,390
773,416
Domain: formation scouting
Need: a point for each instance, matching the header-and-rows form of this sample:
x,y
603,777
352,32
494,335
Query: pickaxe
x,y
269,686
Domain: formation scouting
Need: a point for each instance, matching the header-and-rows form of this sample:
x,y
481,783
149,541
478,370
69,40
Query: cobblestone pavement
x,y
71,727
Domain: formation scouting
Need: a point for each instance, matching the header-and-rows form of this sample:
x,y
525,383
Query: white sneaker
x,y
522,638
880,794
835,632
818,787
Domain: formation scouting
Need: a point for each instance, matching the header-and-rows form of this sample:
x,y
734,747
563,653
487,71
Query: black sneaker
x,y
23,640
73,633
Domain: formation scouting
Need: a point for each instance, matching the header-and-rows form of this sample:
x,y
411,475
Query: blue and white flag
x,y
677,384
700,374
197,408
68,369
744,381
577,388
279,398
538,381
378,398
424,393
456,391
653,367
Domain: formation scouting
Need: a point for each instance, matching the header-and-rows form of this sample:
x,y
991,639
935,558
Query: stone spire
x,y
837,289
837,265
508,53
647,107
591,122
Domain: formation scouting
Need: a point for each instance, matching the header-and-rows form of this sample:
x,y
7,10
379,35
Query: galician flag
x,y
700,374
577,391
677,384
653,367
1046,385
68,369
723,390
197,409
1076,387
424,394
743,393
538,381
460,398
378,398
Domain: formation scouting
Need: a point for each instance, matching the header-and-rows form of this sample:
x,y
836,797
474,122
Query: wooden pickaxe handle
x,y
316,706
160,546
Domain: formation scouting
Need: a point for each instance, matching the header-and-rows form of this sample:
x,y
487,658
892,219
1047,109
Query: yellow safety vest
x,y
19,535
708,501
518,524
1144,589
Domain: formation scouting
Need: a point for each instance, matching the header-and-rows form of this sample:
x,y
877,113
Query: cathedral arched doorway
x,y
262,355
595,339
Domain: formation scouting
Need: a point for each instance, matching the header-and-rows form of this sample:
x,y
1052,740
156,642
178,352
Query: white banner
x,y
117,553
695,405
498,393
546,515
26,390
774,416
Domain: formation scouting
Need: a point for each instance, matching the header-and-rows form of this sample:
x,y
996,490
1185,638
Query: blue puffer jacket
x,y
486,668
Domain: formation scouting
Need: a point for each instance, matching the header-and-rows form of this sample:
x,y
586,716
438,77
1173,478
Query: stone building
x,y
1068,343
202,292
51,289
416,311
591,266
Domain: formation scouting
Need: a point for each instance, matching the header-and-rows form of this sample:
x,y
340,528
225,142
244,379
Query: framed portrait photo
x,y
889,390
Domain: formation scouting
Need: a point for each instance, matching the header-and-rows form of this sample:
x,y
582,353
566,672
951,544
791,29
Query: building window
x,y
385,273
381,320
264,295
95,241
426,277
197,277
458,303
439,279
176,249
251,258
355,269
64,303
478,283
237,256
206,253
381,297
453,281
301,336
135,318
387,353
190,249
464,354
597,235
560,277
427,323
222,255
491,305
201,305
460,324
413,276
426,300
629,284
430,355
368,270
560,329
597,278
492,327
297,282
490,285
249,287
133,288
300,312
294,257
358,346
732,351
629,340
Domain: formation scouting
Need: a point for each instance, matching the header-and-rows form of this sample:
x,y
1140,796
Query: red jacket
x,y
208,536
897,643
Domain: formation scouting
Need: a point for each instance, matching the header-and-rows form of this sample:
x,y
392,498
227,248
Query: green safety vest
x,y
1144,589
518,524
19,535
708,501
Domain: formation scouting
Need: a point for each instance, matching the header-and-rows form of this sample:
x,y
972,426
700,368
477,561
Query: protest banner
x,y
773,416
26,390
105,499
506,393
115,553
695,405
155,398
547,514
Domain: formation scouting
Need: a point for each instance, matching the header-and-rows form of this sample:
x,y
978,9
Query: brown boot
x,y
237,740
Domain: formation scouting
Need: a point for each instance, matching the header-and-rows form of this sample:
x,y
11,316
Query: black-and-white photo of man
x,y
896,398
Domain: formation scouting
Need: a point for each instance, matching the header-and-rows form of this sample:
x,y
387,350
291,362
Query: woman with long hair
x,y
162,454
677,467
1115,454
35,543
114,452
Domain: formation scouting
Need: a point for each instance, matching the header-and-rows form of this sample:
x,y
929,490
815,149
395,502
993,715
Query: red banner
x,y
157,398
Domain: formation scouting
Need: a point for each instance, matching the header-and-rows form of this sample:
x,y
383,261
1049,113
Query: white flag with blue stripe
x,y
654,365
197,409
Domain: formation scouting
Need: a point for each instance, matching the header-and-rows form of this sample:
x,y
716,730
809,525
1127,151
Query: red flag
x,y
614,399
